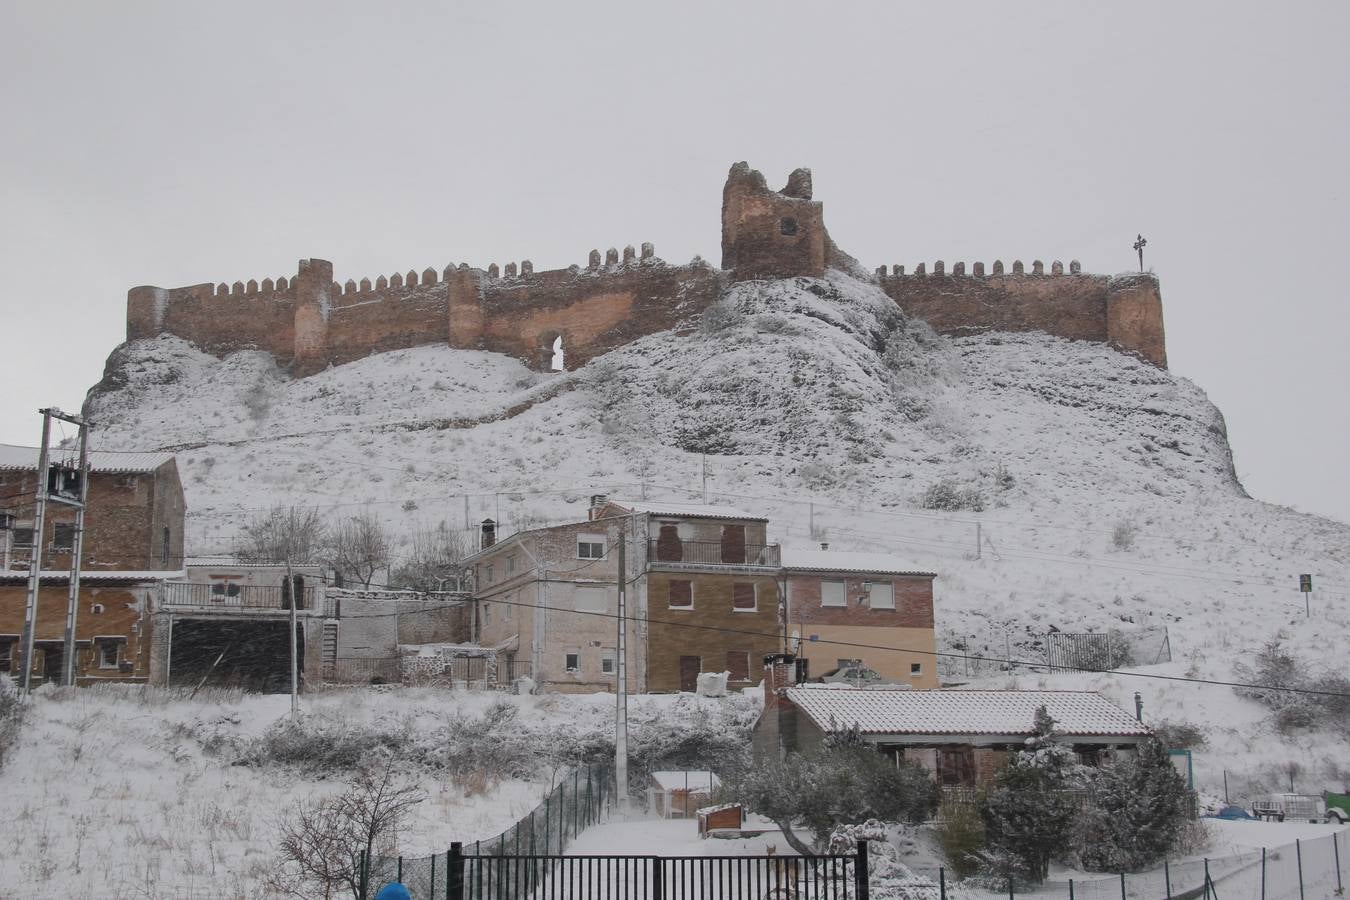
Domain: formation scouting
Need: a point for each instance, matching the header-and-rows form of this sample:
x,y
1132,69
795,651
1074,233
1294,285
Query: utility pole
x,y
76,550
295,669
621,692
35,561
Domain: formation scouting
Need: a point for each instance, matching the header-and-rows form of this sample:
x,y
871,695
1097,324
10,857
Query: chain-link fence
x,y
580,799
1304,870
972,655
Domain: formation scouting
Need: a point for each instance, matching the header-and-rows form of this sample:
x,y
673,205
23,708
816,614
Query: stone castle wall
x,y
310,321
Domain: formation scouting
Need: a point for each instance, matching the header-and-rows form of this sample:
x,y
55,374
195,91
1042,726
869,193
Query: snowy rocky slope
x,y
1099,488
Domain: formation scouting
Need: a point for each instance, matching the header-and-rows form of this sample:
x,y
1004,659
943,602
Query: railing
x,y
210,596
713,553
364,670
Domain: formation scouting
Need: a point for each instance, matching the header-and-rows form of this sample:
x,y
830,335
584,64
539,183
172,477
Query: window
x,y
916,668
23,538
882,595
511,564
787,226
573,660
592,599
165,546
590,546
125,481
6,655
109,653
832,593
96,608
63,537
607,657
218,589
743,595
681,594
738,665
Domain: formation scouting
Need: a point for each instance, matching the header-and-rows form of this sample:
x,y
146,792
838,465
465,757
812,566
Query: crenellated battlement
x,y
311,320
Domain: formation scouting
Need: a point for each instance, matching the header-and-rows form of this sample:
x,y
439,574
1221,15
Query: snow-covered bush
x,y
325,744
1029,812
846,781
1297,697
720,317
1178,735
960,832
11,716
1135,814
1123,535
950,496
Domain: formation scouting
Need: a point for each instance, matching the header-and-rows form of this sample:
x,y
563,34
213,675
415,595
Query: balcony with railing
x,y
241,598
674,552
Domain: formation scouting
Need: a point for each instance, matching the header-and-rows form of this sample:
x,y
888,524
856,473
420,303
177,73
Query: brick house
x,y
712,568
133,542
837,598
963,737
549,596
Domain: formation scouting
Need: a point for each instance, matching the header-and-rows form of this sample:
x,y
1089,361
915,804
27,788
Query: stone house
x,y
844,606
133,543
963,737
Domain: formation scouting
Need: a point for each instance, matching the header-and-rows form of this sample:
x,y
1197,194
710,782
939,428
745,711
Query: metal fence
x,y
1108,650
558,877
1304,870
580,799
714,553
971,655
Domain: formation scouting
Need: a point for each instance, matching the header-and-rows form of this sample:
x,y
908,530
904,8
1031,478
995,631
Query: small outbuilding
x,y
680,795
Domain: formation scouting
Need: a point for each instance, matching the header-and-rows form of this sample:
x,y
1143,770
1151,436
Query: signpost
x,y
1305,586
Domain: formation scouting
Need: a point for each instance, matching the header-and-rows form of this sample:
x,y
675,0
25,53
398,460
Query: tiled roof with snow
x,y
679,781
697,510
845,561
962,712
16,458
91,575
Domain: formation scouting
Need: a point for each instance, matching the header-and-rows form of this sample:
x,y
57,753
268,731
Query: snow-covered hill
x,y
1098,489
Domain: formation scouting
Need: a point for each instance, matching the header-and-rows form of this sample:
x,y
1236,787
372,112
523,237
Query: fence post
x,y
431,891
547,803
1070,889
1122,886
454,872
364,875
658,878
400,870
942,885
1336,852
1298,852
860,874
1206,878
1167,879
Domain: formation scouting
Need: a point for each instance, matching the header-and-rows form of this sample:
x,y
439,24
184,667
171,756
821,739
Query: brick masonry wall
x,y
124,523
755,633
913,601
125,614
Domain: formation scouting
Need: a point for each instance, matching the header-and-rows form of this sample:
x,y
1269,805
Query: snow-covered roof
x,y
802,560
877,712
228,562
13,575
16,458
702,782
696,510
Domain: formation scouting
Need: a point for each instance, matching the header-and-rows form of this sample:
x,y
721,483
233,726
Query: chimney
x,y
489,534
598,502
824,545
780,671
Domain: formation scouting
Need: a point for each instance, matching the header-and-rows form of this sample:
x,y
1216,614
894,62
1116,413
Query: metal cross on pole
x,y
1139,243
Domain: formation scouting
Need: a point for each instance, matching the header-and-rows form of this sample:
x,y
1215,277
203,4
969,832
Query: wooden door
x,y
668,546
733,544
690,666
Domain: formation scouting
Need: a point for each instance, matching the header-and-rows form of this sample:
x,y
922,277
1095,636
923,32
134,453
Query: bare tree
x,y
359,547
283,534
322,844
435,560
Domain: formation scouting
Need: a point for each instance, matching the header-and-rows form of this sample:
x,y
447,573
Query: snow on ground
x,y
1104,485
115,793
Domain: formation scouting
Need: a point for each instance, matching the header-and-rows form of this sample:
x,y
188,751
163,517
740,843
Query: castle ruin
x,y
310,321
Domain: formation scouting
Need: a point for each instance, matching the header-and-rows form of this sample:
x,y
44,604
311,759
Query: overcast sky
x,y
175,143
